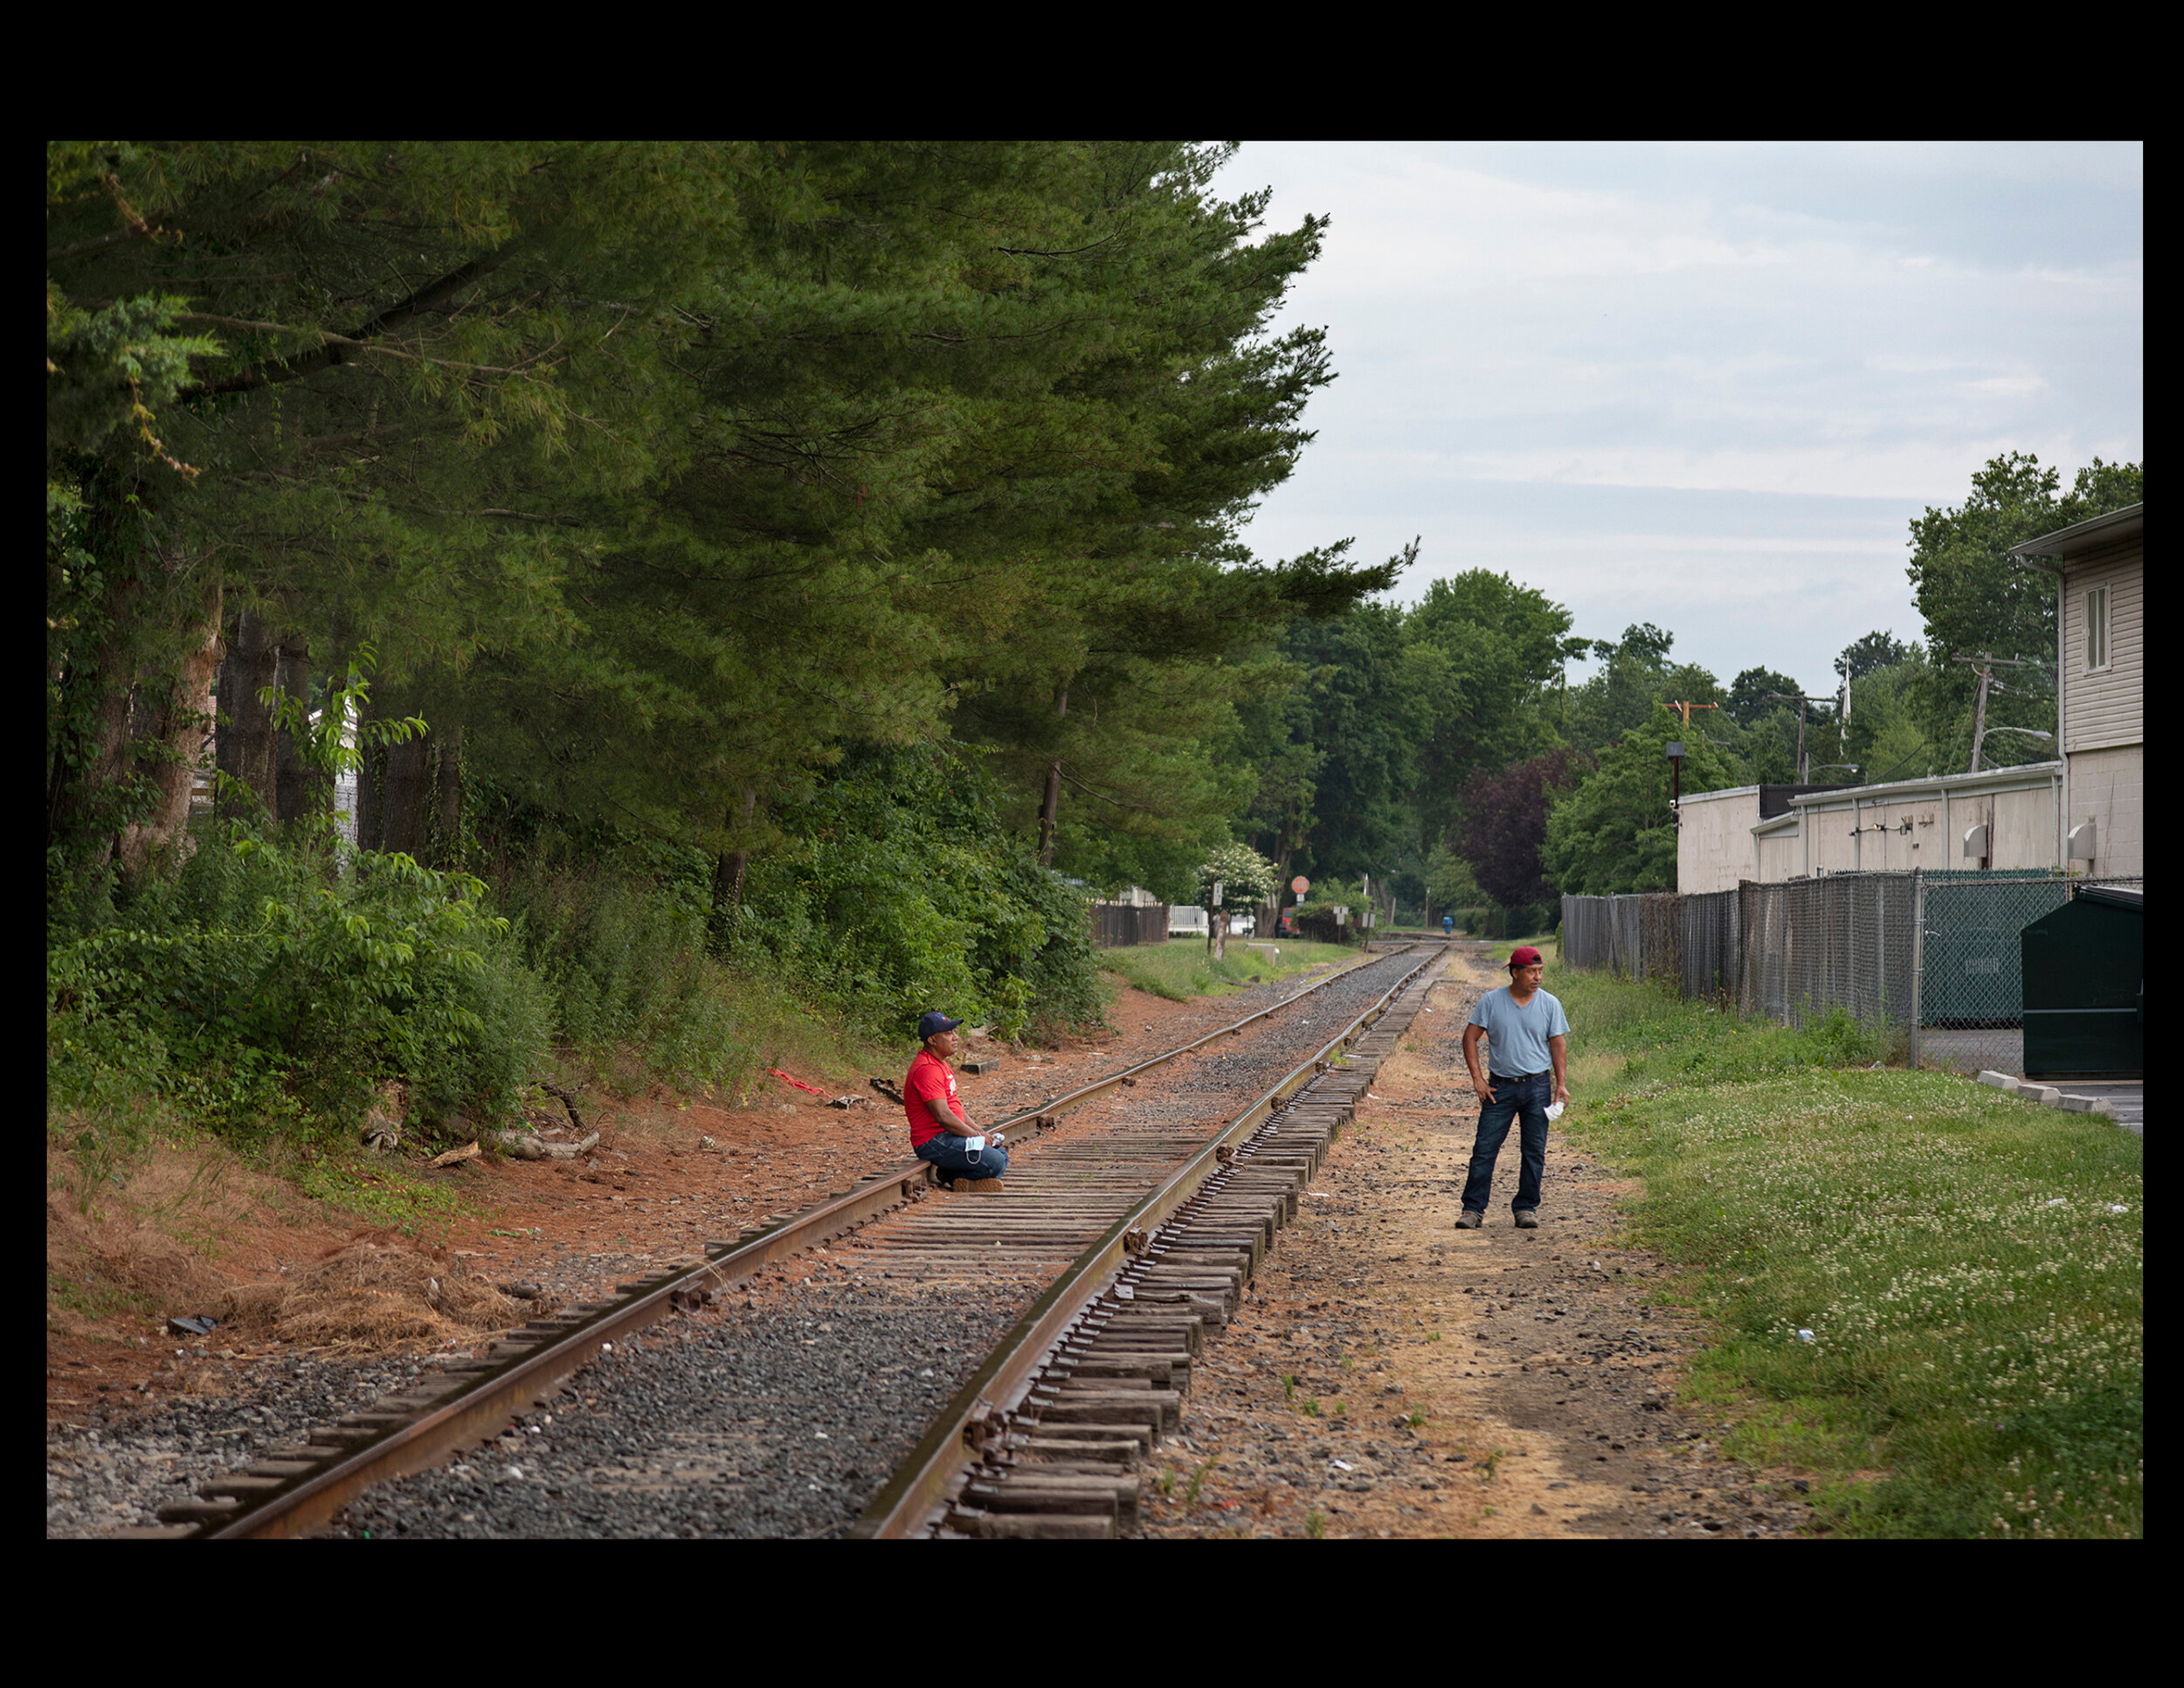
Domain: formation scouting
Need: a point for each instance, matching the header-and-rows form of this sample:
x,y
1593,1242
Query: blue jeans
x,y
1523,1099
945,1154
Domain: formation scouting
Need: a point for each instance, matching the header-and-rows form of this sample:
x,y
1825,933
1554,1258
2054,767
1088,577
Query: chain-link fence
x,y
1934,959
1710,946
1814,945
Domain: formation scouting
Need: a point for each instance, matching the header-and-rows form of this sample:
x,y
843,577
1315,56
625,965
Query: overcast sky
x,y
1704,386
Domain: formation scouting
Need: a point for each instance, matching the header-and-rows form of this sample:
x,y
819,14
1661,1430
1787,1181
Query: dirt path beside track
x,y
1392,1376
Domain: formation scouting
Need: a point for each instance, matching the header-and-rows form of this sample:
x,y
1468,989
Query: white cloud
x,y
1826,327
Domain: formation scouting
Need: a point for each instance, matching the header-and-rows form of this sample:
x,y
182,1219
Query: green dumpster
x,y
2084,974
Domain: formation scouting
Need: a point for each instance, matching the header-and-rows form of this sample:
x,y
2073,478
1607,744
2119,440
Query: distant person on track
x,y
941,1133
1447,925
1528,1038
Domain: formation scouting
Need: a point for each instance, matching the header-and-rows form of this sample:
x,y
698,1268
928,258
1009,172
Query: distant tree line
x,y
1440,751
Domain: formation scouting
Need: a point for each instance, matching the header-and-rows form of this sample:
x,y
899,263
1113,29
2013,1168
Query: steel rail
x,y
415,1433
921,1484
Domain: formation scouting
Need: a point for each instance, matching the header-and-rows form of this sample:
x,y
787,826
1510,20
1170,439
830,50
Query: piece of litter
x,y
2117,1207
1805,1336
1340,1465
1372,1095
2057,1201
191,1325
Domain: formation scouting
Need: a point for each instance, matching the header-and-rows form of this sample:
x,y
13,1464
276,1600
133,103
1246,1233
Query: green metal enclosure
x,y
2084,974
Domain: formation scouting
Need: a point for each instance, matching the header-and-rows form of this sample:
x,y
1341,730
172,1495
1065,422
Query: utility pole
x,y
1675,758
1978,717
1984,665
1800,700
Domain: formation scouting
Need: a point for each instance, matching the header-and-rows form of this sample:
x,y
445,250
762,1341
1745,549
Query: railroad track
x,y
1108,1193
1043,1440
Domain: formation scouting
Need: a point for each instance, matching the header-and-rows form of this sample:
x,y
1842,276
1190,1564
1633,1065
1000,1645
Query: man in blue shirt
x,y
1528,1037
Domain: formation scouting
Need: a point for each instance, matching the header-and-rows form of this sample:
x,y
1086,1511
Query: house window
x,y
2096,629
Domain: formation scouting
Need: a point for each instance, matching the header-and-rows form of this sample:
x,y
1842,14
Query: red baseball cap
x,y
1525,956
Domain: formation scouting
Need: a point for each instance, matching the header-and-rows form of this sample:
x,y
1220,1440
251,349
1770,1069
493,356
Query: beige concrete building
x,y
2100,680
1713,840
2003,817
1716,839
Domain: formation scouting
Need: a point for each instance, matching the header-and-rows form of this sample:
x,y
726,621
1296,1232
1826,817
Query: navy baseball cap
x,y
934,1024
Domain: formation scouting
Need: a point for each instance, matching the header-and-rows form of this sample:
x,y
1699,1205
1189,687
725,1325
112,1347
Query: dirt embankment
x,y
1392,1376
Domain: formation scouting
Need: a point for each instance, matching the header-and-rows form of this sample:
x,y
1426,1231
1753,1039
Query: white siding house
x,y
2100,681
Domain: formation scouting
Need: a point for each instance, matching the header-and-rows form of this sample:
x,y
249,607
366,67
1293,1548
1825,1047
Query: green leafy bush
x,y
262,972
619,944
897,891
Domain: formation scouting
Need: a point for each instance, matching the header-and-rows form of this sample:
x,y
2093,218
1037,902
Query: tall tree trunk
x,y
447,832
172,718
292,784
403,797
245,741
81,786
727,874
1050,808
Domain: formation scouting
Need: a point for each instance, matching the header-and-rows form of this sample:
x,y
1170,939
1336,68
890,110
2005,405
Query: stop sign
x,y
1300,884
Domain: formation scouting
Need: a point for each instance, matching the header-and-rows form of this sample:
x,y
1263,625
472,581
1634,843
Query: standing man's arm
x,y
1471,1036
1558,1048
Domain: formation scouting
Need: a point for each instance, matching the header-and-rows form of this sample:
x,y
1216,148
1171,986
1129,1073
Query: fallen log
x,y
525,1146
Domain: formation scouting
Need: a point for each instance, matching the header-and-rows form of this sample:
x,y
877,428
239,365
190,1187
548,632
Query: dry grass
x,y
146,1244
375,1295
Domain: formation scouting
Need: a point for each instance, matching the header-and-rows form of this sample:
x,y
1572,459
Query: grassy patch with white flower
x,y
1928,1294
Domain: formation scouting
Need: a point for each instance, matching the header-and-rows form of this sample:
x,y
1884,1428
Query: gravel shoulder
x,y
1390,1376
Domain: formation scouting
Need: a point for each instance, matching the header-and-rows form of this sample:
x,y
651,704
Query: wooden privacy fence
x,y
1115,925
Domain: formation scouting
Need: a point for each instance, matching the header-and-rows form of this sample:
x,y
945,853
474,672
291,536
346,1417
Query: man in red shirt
x,y
941,1132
